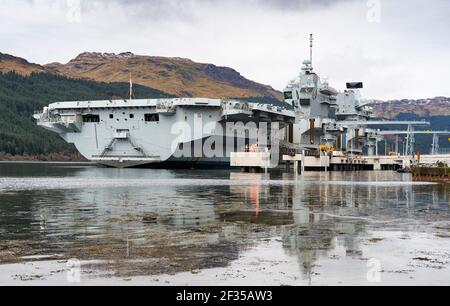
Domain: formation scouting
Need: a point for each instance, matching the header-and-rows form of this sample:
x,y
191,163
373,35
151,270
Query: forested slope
x,y
21,96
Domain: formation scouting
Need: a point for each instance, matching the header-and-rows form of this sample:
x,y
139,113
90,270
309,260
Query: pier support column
x,y
296,167
288,166
303,162
312,126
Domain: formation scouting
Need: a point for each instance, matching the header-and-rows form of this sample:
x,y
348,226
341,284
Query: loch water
x,y
222,227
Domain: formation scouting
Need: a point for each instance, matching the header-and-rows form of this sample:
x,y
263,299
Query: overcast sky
x,y
399,48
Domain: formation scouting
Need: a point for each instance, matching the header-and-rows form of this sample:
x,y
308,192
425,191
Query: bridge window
x,y
152,117
305,102
91,118
288,95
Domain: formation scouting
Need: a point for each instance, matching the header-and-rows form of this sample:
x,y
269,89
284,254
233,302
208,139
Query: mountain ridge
x,y
20,65
430,107
183,77
173,75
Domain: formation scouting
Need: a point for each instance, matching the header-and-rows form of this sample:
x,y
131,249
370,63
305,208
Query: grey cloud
x,y
403,56
299,4
179,4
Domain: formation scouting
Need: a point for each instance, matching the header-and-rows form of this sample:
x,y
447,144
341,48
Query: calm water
x,y
210,220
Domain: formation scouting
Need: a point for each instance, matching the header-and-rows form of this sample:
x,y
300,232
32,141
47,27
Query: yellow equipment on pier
x,y
324,148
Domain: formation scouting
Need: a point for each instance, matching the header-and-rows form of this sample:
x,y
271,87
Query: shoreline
x,y
265,264
47,157
432,174
81,163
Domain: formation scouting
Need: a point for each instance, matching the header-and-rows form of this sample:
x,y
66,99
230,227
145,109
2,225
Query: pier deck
x,y
336,162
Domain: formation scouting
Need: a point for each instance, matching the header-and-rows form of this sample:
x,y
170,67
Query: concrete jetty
x,y
336,161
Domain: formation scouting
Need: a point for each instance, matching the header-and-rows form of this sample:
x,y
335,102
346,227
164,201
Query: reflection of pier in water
x,y
330,212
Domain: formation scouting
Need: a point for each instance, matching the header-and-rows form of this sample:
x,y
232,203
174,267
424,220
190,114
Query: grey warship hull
x,y
162,132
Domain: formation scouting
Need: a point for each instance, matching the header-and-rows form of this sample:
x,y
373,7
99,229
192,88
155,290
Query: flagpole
x,y
131,88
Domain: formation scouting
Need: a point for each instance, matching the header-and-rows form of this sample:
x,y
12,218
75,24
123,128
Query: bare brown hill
x,y
439,106
9,63
177,76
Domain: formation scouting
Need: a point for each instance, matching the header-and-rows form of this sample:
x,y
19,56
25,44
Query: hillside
x,y
185,78
177,76
20,96
439,106
9,63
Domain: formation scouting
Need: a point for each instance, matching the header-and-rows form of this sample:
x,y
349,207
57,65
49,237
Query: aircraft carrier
x,y
128,133
316,119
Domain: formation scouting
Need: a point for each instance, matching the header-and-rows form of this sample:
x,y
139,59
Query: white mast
x,y
131,88
311,40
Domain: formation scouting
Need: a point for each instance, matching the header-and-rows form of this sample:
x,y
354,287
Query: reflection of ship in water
x,y
317,217
212,222
305,229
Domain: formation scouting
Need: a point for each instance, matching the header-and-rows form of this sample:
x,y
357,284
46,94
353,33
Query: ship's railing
x,y
57,119
41,117
271,108
164,106
251,106
234,105
331,126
